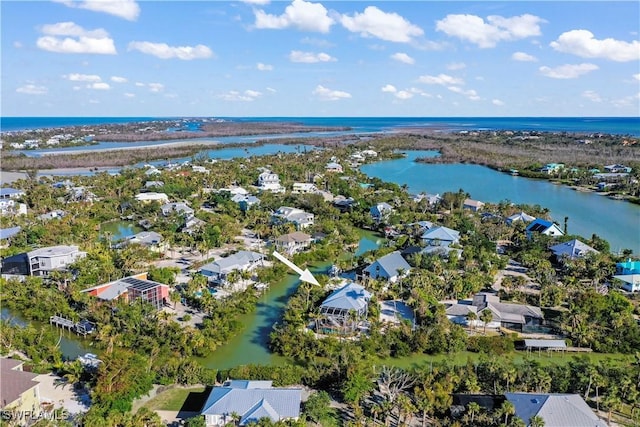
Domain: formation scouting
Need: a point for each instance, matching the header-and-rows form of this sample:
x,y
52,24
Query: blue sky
x,y
329,58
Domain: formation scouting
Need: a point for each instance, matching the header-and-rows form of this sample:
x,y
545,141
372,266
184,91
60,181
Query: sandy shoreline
x,y
156,144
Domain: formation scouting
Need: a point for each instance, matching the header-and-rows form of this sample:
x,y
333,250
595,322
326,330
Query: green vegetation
x,y
172,399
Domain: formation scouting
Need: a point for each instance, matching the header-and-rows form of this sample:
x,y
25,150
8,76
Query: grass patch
x,y
174,399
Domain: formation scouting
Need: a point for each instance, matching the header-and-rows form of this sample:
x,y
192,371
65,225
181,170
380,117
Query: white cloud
x,y
118,79
592,95
75,77
155,87
636,76
456,66
164,51
470,93
234,95
264,67
326,94
373,22
497,102
272,90
140,84
441,79
567,71
99,86
488,33
403,94
389,88
310,57
18,45
78,39
523,57
129,95
258,2
582,43
300,14
31,89
127,9
403,57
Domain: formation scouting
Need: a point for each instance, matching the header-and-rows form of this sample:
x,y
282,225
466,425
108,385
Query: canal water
x,y
251,346
119,230
589,213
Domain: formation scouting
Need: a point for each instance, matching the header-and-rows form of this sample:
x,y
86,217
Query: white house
x,y
293,242
42,261
542,226
300,218
178,207
152,197
269,181
304,188
219,270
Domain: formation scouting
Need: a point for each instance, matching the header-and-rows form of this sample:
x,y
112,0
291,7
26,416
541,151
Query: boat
x,y
514,172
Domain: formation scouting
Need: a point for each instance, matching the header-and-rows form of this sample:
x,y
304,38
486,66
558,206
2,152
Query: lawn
x,y
176,399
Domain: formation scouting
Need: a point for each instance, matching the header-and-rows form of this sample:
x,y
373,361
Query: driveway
x,y
73,400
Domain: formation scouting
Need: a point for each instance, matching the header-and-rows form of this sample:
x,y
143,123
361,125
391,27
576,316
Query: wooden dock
x,y
83,327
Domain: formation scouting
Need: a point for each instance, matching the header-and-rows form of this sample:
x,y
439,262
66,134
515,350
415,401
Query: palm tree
x,y
473,409
507,409
536,421
486,316
471,320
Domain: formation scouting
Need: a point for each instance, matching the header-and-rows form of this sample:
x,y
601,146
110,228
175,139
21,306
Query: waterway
x,y
251,346
614,220
119,230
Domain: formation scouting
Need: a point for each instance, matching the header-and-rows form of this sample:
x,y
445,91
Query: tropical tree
x,y
536,421
486,316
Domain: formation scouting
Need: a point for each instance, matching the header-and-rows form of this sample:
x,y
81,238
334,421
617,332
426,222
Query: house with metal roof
x,y
293,242
571,250
42,261
343,309
440,236
520,216
218,271
20,391
7,233
557,410
250,401
542,226
180,208
390,267
380,211
472,205
11,193
133,288
628,273
298,217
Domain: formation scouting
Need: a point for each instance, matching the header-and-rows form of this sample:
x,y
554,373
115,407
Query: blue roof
x,y
388,265
349,297
253,400
5,233
9,192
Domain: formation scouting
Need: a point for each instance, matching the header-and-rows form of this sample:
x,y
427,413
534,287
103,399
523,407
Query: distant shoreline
x,y
155,144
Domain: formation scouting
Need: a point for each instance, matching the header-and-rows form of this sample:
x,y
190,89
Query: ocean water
x,y
609,125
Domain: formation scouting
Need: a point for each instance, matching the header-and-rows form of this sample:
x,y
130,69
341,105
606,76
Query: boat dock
x,y
82,327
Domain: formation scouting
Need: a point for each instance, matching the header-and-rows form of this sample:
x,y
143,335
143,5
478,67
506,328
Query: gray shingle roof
x,y
14,382
557,410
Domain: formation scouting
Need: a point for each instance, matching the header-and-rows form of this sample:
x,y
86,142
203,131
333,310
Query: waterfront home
x,y
440,236
199,169
269,181
300,218
552,168
42,261
20,392
152,197
542,226
149,239
293,242
472,205
430,199
521,216
617,168
518,317
369,153
246,402
380,211
333,167
628,273
571,250
344,204
217,272
390,267
179,208
610,177
343,309
557,410
132,288
10,193
153,184
304,188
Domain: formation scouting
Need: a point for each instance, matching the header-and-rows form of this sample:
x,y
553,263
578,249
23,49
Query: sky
x,y
261,58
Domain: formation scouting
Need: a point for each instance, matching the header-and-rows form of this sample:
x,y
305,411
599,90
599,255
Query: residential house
x,y
250,401
441,251
42,261
153,184
20,392
342,310
132,288
58,213
199,169
180,208
344,204
333,167
472,205
552,168
517,317
431,199
521,216
149,239
269,181
218,272
390,267
152,197
10,193
191,225
304,188
246,202
571,250
11,207
629,274
542,226
7,233
440,236
300,218
610,177
396,312
617,168
380,211
555,409
369,153
293,242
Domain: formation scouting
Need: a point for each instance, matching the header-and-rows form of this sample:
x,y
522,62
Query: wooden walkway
x,y
79,328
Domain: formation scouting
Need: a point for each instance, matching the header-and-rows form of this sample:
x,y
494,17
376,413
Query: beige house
x,y
18,390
